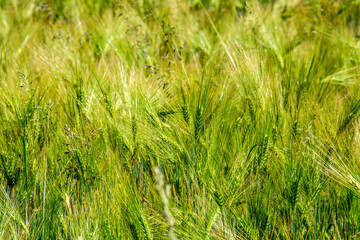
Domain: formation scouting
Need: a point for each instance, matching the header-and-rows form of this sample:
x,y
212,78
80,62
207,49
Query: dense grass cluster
x,y
179,119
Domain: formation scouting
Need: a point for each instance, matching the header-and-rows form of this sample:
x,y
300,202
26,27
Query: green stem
x,y
26,169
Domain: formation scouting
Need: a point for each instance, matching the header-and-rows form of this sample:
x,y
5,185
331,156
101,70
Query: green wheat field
x,y
179,119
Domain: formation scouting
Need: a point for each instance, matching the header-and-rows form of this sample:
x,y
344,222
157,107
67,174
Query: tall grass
x,y
181,119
